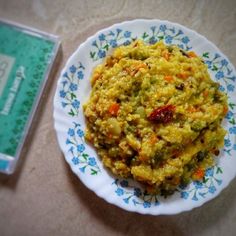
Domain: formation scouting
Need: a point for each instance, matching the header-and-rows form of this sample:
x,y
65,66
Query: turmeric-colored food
x,y
154,114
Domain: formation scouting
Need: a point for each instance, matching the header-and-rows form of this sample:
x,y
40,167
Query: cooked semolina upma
x,y
154,114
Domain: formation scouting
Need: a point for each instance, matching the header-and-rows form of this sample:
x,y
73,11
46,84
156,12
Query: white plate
x,y
73,90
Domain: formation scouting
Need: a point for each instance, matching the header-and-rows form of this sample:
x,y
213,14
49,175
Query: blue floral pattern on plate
x,y
199,189
223,73
134,195
76,149
88,165
112,39
69,86
170,35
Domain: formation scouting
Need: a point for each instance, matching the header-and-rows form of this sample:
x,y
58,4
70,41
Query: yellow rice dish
x,y
154,114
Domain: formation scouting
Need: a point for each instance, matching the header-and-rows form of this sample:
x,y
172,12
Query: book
x,y
26,59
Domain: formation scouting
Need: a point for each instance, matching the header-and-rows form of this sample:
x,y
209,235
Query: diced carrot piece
x,y
183,75
192,109
136,68
127,69
225,109
142,65
198,174
95,77
205,93
192,54
153,139
166,55
114,108
143,158
169,78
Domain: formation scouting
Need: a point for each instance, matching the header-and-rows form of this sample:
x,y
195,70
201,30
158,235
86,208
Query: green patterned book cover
x,y
26,57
